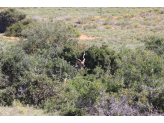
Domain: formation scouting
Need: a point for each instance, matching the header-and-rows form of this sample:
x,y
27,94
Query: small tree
x,y
16,29
102,56
42,33
9,17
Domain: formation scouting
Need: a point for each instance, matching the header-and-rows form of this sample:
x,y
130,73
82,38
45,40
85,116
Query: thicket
x,y
101,57
39,71
42,35
155,44
9,17
17,28
140,67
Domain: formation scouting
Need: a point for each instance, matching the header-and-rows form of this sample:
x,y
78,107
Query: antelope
x,y
79,62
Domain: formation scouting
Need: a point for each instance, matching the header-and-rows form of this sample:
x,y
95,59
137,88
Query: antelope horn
x,y
75,56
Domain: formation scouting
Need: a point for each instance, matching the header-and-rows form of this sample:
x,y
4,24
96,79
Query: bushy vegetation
x,y
38,70
103,57
16,29
155,43
140,66
9,17
43,35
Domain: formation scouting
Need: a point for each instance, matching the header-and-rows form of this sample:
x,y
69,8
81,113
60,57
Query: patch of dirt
x,y
96,17
9,38
82,37
115,16
85,37
136,17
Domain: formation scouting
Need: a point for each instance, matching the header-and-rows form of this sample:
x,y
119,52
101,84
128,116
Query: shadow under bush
x,y
155,44
9,17
16,29
103,57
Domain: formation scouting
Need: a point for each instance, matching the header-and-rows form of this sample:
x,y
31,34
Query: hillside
x,y
81,61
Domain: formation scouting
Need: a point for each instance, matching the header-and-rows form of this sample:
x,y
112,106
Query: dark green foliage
x,y
33,71
16,29
139,67
68,56
9,17
57,34
49,63
158,102
74,112
35,86
155,44
102,56
31,78
75,98
14,63
32,89
62,67
112,83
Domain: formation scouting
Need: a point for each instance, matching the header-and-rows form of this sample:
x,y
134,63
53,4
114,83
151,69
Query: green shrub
x,y
9,17
93,26
57,34
155,44
112,83
75,97
48,62
68,56
16,29
158,102
28,74
3,78
31,89
102,56
140,67
14,63
63,67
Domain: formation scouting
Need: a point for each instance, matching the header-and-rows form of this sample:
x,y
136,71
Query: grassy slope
x,y
115,26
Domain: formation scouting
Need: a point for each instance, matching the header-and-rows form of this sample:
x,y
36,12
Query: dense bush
x,y
76,97
140,67
27,74
38,83
112,83
14,64
16,29
9,17
158,101
103,57
155,44
32,89
23,76
41,33
68,56
39,71
94,57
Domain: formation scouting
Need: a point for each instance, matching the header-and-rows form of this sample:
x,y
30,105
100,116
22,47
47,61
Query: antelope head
x,y
79,62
